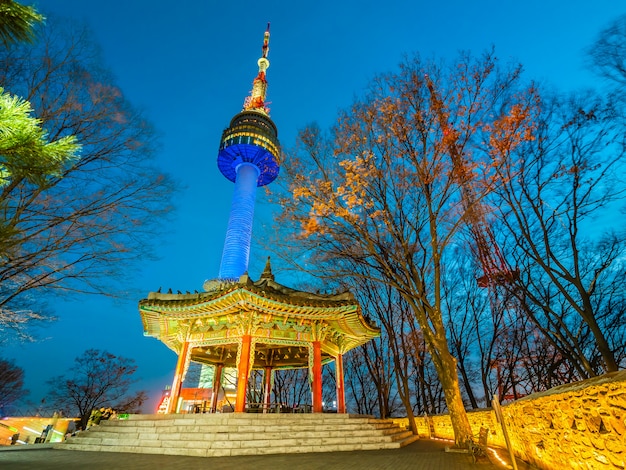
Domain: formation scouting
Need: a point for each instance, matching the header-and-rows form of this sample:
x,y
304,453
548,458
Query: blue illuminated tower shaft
x,y
239,232
249,157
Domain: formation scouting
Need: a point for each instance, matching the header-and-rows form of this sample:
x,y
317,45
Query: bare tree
x,y
84,228
98,379
429,397
389,360
608,53
469,324
11,383
291,387
552,203
384,193
364,393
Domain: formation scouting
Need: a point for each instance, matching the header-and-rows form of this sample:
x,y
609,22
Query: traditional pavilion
x,y
244,324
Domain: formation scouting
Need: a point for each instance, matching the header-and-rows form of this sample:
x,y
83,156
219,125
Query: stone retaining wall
x,y
578,426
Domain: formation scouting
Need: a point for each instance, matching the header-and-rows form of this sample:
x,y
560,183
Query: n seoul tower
x,y
249,156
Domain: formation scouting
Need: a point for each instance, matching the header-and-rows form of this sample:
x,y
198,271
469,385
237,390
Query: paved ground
x,y
422,455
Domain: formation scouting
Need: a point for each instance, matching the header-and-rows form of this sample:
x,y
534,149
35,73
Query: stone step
x,y
245,420
240,434
234,451
358,428
228,416
242,420
246,440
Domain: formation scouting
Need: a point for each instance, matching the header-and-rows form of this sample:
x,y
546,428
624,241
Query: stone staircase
x,y
230,434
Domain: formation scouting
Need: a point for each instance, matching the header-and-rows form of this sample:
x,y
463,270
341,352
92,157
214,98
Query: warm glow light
x,y
498,458
32,430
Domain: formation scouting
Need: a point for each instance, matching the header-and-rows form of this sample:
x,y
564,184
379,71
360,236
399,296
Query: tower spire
x,y
249,156
256,100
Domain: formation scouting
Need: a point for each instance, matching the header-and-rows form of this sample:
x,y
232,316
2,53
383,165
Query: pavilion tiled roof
x,y
163,313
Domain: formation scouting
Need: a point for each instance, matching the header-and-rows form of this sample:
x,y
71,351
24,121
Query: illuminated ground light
x,y
499,459
32,430
57,436
493,451
441,439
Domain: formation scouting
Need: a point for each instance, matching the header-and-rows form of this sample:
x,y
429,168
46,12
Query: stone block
x,y
617,459
169,436
186,451
142,424
218,453
614,445
245,451
225,444
593,422
141,450
243,436
616,423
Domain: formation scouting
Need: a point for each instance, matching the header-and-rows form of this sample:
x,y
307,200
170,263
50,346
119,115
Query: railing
x,y
254,408
277,408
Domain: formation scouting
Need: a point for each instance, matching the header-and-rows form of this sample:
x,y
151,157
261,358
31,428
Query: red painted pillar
x,y
267,392
341,393
177,384
243,370
217,382
317,377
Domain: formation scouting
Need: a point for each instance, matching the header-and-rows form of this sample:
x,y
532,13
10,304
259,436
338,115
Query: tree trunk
x,y
468,386
445,364
603,346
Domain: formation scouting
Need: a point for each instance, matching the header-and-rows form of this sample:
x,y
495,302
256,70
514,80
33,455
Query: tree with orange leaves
x,y
382,191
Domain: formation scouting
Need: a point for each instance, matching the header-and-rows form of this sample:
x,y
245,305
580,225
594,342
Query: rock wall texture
x,y
578,426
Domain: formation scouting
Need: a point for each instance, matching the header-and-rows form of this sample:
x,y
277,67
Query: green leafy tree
x,y
26,155
98,379
17,22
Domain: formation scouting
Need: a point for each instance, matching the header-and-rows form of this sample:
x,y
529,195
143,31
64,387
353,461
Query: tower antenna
x,y
256,100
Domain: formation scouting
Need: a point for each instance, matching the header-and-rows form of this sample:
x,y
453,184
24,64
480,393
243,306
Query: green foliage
x,y
25,152
17,22
26,155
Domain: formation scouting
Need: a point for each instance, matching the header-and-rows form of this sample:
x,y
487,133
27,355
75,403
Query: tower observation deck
x,y
249,156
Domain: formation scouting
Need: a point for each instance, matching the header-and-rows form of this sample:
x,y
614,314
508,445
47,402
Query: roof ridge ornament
x,y
267,272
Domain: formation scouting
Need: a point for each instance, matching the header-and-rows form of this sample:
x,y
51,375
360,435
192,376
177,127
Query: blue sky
x,y
189,64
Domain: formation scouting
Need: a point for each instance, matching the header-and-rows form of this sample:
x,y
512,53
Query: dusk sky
x,y
189,64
